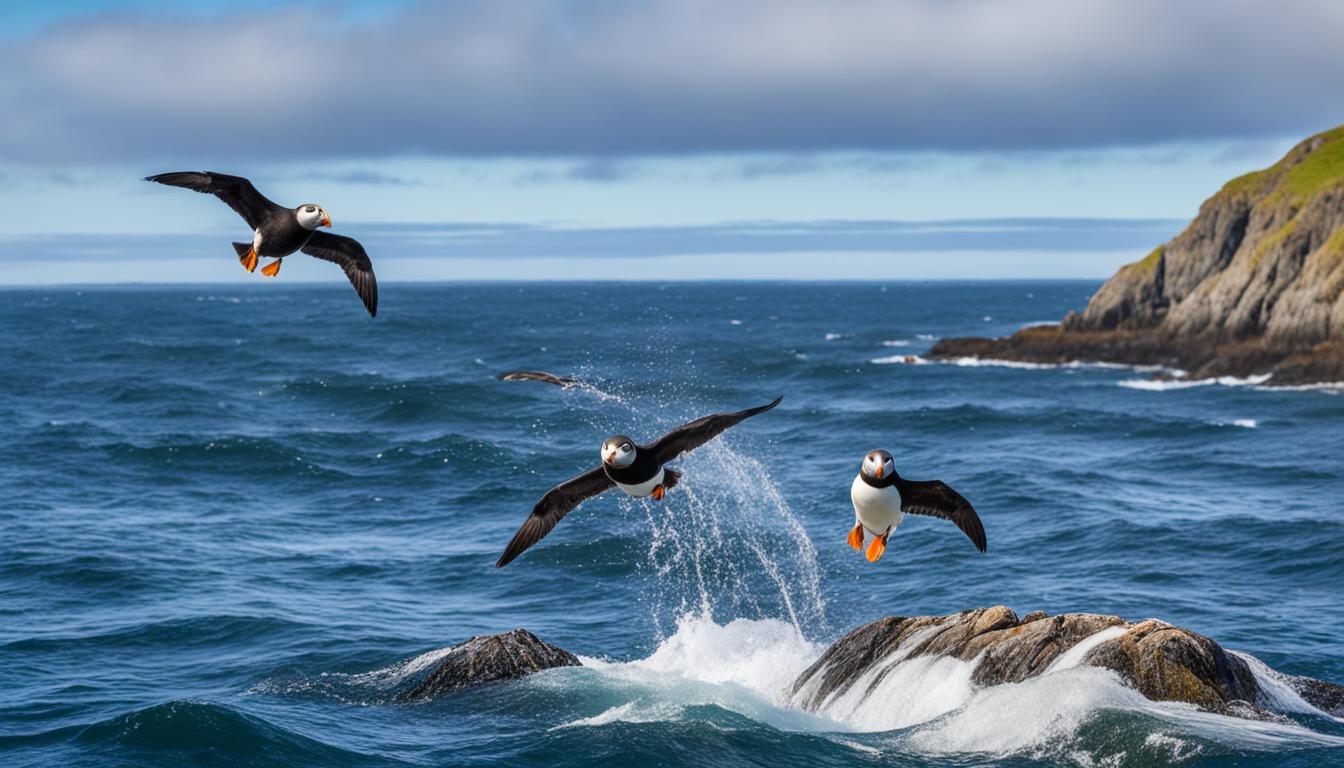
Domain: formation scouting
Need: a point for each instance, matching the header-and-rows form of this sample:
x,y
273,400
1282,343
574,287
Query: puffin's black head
x,y
312,216
618,451
878,464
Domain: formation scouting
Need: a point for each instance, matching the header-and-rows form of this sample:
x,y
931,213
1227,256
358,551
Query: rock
x,y
1253,286
1161,661
491,659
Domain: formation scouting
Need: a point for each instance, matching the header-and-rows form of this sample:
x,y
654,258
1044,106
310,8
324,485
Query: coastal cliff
x,y
1254,286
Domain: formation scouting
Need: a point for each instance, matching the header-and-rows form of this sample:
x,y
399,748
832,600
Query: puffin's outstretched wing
x,y
236,192
696,433
936,499
347,252
553,506
549,378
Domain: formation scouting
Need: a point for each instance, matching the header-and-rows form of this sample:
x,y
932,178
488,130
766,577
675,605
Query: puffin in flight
x,y
636,469
277,232
881,498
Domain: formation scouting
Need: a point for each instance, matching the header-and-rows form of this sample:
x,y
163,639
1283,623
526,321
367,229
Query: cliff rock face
x,y
491,659
1161,661
1254,285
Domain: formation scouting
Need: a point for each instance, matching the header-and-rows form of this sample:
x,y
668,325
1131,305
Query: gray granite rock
x,y
1161,661
491,659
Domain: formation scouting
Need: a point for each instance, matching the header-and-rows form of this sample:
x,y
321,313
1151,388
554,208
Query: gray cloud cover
x,y
597,78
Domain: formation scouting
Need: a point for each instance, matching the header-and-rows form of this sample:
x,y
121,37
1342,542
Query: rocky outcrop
x,y
1161,661
1253,286
491,659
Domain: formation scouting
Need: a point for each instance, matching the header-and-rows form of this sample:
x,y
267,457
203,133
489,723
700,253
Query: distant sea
x,y
236,521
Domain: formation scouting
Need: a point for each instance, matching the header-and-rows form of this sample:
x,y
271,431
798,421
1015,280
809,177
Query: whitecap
x,y
899,359
1152,385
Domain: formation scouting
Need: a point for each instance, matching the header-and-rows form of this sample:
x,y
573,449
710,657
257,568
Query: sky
x,y
648,139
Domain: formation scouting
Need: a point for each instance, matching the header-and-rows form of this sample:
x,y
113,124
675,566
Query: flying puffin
x,y
881,498
566,382
636,469
277,232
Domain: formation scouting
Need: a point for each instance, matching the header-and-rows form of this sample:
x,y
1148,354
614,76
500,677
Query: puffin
x,y
278,231
565,382
637,470
882,498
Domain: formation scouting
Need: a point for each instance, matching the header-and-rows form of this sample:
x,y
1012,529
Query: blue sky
x,y
593,138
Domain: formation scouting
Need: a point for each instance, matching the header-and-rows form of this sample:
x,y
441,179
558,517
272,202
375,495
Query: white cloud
x,y
564,78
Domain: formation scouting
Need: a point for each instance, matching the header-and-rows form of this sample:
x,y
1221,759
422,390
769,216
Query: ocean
x,y
238,519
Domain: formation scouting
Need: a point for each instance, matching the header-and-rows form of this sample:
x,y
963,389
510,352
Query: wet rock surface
x,y
1161,661
491,659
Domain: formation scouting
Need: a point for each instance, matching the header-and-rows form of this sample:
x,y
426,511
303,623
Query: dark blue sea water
x,y
235,521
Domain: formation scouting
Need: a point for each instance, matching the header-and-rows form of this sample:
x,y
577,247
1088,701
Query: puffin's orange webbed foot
x,y
270,270
876,549
856,537
249,260
659,492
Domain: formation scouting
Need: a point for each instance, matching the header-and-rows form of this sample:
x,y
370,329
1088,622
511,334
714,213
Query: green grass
x,y
1319,170
1147,263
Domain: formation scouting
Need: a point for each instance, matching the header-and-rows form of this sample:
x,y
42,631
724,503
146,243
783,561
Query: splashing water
x,y
725,503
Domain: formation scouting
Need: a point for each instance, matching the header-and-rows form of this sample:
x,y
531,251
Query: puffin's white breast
x,y
645,488
877,508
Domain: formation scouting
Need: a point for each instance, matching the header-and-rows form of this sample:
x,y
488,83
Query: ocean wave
x,y
896,343
208,731
925,705
1166,385
899,360
376,686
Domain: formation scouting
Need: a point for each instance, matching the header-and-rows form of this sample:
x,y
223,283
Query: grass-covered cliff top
x,y
1314,165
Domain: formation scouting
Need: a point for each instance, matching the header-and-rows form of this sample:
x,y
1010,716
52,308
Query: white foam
x,y
834,336
899,693
630,712
899,360
764,655
1075,655
1278,690
1171,384
896,343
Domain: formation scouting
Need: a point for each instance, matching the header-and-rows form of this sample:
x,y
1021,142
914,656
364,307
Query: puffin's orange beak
x,y
326,220
879,471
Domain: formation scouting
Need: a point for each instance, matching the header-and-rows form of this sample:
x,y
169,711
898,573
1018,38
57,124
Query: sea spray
x,y
724,543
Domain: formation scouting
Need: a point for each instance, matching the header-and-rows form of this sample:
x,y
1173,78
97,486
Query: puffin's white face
x,y
618,451
878,464
312,216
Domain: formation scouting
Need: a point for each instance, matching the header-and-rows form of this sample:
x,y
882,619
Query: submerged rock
x,y
491,659
1254,286
1161,661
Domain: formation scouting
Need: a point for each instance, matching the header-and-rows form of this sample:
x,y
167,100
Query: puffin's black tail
x,y
670,478
242,249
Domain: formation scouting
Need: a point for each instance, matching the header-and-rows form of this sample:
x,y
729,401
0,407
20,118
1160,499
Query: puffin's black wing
x,y
696,433
549,378
553,506
347,252
236,192
936,499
